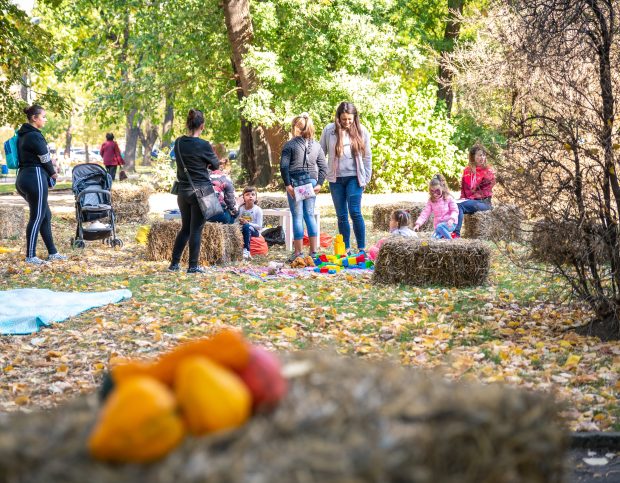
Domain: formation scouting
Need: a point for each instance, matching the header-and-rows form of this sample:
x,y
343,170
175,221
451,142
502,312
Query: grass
x,y
9,188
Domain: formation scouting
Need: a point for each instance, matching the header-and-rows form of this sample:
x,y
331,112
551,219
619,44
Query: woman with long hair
x,y
476,186
36,174
349,168
196,156
303,163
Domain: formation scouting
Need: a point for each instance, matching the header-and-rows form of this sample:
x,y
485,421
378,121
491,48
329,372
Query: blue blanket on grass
x,y
24,311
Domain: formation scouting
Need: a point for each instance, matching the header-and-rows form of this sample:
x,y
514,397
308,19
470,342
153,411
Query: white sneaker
x,y
56,257
35,261
246,254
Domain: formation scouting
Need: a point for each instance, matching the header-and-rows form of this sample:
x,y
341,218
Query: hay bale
x,y
502,223
381,215
343,420
267,202
451,263
12,221
565,242
220,244
131,202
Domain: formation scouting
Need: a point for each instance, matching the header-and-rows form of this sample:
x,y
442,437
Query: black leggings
x,y
31,184
192,222
112,171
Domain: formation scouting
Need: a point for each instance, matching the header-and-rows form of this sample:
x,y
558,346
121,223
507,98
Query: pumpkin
x,y
211,397
227,348
137,424
264,379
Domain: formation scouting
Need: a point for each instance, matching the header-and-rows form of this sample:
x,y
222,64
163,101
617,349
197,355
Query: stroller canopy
x,y
90,174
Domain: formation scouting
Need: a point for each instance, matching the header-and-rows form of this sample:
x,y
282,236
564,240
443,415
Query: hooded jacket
x,y
443,211
477,184
33,150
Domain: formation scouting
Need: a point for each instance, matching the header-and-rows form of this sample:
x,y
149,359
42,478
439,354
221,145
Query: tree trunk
x,y
132,131
148,141
68,137
254,153
86,153
451,34
166,128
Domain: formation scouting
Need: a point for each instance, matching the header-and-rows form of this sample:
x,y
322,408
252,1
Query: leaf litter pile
x,y
513,330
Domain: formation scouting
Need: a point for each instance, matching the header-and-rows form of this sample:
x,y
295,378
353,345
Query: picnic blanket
x,y
24,311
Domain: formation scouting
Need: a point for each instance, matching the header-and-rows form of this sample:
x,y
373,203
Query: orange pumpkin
x,y
211,397
227,348
138,423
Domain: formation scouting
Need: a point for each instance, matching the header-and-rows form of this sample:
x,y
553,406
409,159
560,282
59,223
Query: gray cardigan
x,y
297,158
362,164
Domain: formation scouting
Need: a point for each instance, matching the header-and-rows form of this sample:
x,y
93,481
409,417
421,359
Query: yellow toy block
x,y
339,248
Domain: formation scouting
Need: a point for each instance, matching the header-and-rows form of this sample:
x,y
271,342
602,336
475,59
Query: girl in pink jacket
x,y
442,205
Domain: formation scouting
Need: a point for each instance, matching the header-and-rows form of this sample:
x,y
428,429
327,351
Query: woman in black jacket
x,y
36,174
197,156
303,163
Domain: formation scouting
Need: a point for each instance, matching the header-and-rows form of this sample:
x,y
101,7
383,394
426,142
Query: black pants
x,y
192,222
112,171
31,184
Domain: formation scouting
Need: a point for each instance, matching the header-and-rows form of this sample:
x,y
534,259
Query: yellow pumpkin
x,y
138,423
211,397
227,347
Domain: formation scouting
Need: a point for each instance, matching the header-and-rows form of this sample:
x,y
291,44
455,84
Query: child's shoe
x,y
246,254
35,261
294,256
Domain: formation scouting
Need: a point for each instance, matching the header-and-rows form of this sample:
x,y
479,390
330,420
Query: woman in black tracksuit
x,y
198,157
36,174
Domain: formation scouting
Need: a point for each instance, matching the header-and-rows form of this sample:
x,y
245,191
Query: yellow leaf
x,y
566,344
54,354
8,368
572,361
289,332
62,368
21,400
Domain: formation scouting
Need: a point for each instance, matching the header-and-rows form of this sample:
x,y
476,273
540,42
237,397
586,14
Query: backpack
x,y
10,152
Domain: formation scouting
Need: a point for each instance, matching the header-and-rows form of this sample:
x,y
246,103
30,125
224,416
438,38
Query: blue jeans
x,y
347,197
468,207
225,218
248,231
442,231
300,211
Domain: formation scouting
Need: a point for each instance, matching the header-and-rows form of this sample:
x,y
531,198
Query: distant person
x,y
442,206
36,174
476,186
197,157
111,155
303,163
346,144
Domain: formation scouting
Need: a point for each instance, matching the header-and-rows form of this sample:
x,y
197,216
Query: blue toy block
x,y
345,262
332,271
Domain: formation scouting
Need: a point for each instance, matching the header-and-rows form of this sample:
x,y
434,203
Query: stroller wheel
x,y
116,243
79,244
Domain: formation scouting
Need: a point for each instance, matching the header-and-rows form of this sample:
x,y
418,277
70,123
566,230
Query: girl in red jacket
x,y
476,186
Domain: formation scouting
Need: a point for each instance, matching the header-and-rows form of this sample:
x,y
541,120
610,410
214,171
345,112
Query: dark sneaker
x,y
314,254
174,267
196,270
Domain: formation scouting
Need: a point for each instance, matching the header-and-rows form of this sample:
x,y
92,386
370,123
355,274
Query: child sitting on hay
x,y
399,225
442,205
250,217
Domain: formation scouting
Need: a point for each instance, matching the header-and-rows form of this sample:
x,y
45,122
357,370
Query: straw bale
x,y
563,242
131,202
451,263
343,420
502,223
220,244
267,202
12,221
381,215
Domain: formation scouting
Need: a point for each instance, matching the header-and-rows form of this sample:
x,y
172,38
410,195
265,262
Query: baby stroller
x,y
93,203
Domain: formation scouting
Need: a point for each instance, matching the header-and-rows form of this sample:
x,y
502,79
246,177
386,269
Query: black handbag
x,y
274,236
208,201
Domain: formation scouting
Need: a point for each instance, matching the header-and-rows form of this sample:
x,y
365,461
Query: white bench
x,y
283,214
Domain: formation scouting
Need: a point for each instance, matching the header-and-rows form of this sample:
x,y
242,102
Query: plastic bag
x,y
258,246
274,236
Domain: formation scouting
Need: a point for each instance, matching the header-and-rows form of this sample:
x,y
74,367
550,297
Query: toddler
x,y
250,217
399,225
442,205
